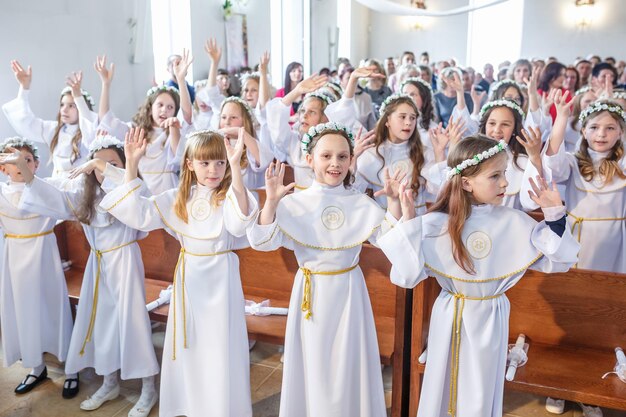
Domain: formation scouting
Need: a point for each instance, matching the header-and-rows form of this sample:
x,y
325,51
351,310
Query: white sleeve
x,y
556,167
235,221
388,223
560,253
278,124
24,121
266,157
343,111
130,204
529,172
87,121
267,237
471,126
45,199
114,126
403,247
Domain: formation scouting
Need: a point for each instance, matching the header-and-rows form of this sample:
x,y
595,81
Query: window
x,y
494,33
171,32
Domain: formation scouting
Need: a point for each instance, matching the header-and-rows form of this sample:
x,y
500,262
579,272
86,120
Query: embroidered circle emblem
x,y
478,245
403,165
332,217
200,209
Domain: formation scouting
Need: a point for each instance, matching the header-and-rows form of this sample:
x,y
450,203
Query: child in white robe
x,y
112,330
35,314
157,117
331,362
465,242
595,180
398,148
68,136
205,366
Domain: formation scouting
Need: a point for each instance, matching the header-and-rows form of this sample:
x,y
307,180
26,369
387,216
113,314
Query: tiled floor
x,y
265,379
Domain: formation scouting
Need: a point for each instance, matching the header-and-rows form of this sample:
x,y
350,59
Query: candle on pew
x,y
515,357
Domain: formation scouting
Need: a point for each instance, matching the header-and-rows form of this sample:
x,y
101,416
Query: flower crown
x,y
244,103
599,106
314,131
391,98
18,142
416,80
337,89
84,93
506,81
582,90
319,95
203,132
104,141
160,88
477,159
502,103
619,95
199,84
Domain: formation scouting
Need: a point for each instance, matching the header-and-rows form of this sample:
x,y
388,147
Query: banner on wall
x,y
389,7
236,42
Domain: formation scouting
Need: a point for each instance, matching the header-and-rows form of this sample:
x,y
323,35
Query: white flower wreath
x,y
159,88
477,159
501,103
391,98
599,106
314,131
244,103
319,95
619,95
84,93
104,141
416,80
18,142
582,90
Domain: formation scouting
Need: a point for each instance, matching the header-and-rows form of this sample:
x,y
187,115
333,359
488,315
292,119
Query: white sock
x,y
110,382
72,384
148,392
37,370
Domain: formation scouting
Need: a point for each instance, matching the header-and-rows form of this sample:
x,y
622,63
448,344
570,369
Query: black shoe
x,y
23,388
70,392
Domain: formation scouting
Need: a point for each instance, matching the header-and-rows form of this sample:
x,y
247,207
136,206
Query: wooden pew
x,y
572,321
265,275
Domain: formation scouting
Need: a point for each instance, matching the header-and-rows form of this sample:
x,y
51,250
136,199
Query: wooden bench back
x,y
575,308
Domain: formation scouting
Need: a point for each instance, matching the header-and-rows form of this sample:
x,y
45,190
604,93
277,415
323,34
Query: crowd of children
x,y
434,164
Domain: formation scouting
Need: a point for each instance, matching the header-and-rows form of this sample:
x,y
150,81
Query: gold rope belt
x,y
13,236
300,187
455,344
306,297
92,320
578,221
184,252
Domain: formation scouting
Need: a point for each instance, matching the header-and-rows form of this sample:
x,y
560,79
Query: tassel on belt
x,y
306,296
92,320
455,344
180,264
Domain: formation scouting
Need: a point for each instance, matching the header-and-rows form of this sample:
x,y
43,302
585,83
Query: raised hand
x,y
264,63
213,50
455,131
86,168
170,122
392,184
311,84
230,132
12,156
561,104
407,202
544,195
363,142
106,74
182,66
135,145
366,72
23,77
74,81
274,178
477,98
233,153
455,82
548,100
531,141
439,139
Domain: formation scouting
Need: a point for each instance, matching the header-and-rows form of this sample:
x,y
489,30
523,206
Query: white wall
x,y
359,43
323,20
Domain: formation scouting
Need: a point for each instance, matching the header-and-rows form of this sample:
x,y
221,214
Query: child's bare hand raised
x,y
135,145
213,50
170,122
407,202
274,182
182,66
544,195
106,74
23,77
234,153
392,184
74,81
308,85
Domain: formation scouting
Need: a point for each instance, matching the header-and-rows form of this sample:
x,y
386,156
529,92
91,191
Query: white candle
x,y
515,357
621,358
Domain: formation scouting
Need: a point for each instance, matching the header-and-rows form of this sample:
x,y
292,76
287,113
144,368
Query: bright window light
x,y
495,33
171,32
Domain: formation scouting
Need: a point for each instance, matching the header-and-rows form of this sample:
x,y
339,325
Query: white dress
x,y
121,336
331,362
371,171
35,313
160,165
421,247
596,212
27,125
210,376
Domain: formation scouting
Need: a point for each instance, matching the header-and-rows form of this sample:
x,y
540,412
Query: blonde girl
x,y
205,366
68,136
467,341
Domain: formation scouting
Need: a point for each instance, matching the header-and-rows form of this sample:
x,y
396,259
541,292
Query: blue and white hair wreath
x,y
244,103
104,141
84,93
477,159
160,88
18,142
392,98
502,103
314,131
325,98
599,106
416,80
